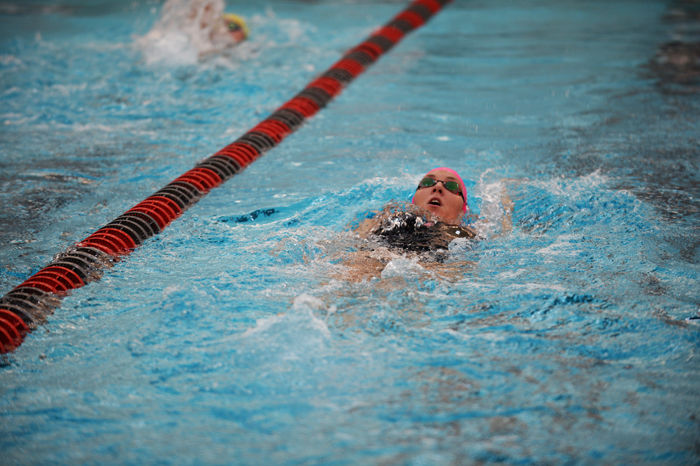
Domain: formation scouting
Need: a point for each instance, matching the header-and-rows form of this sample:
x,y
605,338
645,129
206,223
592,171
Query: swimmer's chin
x,y
434,209
430,213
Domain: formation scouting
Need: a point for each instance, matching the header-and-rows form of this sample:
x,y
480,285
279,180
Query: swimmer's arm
x,y
366,227
360,266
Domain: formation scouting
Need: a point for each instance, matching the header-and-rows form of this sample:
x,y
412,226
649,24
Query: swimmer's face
x,y
444,204
236,27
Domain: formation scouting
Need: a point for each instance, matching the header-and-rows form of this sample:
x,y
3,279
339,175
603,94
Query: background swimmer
x,y
189,30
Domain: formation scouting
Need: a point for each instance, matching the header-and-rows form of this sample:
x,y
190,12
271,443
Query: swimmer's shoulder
x,y
460,231
366,226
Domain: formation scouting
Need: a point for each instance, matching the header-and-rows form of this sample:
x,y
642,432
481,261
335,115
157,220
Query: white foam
x,y
492,209
186,31
302,316
17,119
68,89
572,188
10,60
96,128
564,245
402,267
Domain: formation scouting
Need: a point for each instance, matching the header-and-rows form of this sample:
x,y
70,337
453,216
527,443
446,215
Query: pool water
x,y
234,336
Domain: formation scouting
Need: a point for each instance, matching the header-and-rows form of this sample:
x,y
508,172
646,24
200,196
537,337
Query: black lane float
x,y
29,304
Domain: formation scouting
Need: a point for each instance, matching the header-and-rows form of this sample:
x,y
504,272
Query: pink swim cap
x,y
461,185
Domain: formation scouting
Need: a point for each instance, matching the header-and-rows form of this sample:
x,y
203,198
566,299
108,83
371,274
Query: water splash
x,y
300,319
186,32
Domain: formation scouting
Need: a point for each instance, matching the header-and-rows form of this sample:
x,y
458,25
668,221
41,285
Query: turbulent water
x,y
237,336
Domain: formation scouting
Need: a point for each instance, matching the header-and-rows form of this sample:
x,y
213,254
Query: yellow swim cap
x,y
235,22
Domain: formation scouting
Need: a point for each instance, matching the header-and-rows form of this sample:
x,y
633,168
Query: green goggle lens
x,y
451,186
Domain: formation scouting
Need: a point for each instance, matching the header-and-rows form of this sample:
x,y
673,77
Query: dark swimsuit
x,y
411,232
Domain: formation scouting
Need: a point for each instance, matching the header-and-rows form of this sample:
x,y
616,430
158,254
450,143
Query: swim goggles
x,y
236,23
451,186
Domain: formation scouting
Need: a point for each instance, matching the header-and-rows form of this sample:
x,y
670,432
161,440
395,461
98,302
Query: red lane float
x,y
28,304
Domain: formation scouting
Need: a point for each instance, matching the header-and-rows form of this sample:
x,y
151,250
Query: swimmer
x,y
443,193
191,30
222,29
434,218
423,229
236,27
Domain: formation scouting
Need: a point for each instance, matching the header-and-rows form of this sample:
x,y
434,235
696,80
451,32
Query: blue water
x,y
233,337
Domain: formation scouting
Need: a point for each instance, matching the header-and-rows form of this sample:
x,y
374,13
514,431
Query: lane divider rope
x,y
27,306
